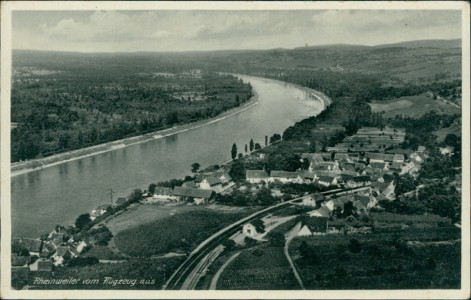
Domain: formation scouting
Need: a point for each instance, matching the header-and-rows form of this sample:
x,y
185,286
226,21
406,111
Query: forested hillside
x,y
70,101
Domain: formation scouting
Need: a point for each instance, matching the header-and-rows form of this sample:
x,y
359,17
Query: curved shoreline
x,y
122,143
42,163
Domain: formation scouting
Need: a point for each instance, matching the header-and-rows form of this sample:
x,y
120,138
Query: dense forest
x,y
70,103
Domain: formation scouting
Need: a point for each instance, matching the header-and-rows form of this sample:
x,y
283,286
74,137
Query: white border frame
x,y
6,24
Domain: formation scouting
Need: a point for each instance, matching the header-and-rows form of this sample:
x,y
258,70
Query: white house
x,y
256,176
253,228
284,176
327,181
211,183
312,199
313,226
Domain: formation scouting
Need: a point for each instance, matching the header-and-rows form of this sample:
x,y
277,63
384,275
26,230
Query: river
x,y
58,194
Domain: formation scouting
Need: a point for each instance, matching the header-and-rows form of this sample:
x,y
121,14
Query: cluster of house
x,y
198,191
56,249
348,165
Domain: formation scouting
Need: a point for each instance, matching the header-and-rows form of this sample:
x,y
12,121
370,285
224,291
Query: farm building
x,y
327,180
313,226
285,177
198,196
256,176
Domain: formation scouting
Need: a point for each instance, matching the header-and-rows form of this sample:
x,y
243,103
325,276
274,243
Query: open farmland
x,y
412,106
180,232
144,214
262,268
402,259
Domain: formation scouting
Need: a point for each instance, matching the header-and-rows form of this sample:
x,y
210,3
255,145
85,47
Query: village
x,y
350,179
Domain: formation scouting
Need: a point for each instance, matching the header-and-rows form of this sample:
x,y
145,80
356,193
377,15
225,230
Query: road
x,y
291,234
445,100
201,258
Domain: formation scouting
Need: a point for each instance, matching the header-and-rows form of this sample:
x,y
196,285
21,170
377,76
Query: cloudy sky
x,y
123,31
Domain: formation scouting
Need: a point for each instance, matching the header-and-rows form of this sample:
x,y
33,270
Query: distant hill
x,y
442,44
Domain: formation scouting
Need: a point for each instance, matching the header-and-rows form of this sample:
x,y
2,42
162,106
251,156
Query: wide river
x,y
58,194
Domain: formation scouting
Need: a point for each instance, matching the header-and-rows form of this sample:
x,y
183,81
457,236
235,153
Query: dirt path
x,y
215,279
289,236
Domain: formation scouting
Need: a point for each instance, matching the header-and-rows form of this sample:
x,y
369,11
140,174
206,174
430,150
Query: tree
x,y
266,140
404,184
234,151
251,145
135,196
82,221
246,148
195,167
151,188
237,171
257,146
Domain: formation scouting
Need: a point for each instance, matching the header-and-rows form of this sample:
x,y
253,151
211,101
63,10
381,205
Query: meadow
x,y
412,106
178,233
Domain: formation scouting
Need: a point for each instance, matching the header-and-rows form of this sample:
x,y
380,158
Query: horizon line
x,y
240,50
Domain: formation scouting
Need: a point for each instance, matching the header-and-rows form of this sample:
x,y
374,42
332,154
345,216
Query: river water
x,y
58,194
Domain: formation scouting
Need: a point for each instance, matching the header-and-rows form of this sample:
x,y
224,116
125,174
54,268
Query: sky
x,y
184,30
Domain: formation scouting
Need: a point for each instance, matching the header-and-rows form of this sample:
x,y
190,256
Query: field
x,y
143,214
263,269
412,106
178,233
442,133
404,259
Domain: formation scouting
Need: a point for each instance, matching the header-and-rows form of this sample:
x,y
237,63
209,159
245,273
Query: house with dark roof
x,y
379,165
338,202
162,192
198,196
379,157
62,255
19,261
32,245
190,184
257,176
361,203
285,176
211,183
48,250
312,226
44,266
313,199
323,211
327,181
253,228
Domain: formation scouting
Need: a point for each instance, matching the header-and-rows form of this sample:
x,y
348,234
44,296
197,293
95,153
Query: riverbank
x,y
19,168
319,96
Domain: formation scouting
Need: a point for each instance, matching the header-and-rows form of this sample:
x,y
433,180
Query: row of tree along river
x,y
58,194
